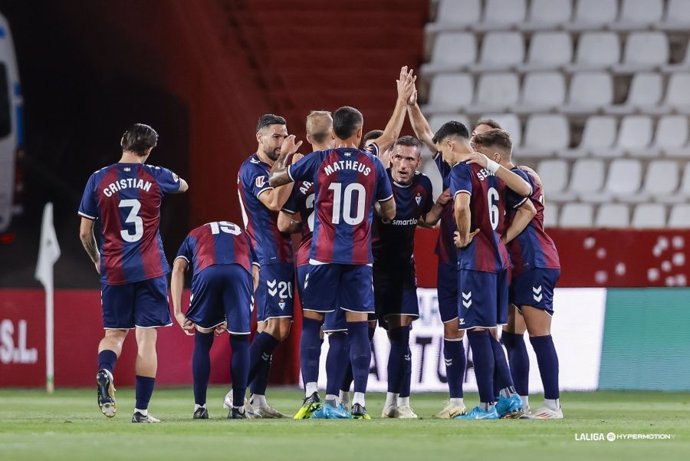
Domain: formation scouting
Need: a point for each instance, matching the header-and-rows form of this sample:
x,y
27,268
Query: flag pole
x,y
50,354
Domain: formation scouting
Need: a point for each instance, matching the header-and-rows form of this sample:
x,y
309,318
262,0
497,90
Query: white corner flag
x,y
48,253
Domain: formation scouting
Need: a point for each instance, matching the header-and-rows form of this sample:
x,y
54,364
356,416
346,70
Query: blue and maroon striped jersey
x,y
445,247
395,241
486,252
533,248
347,183
269,244
125,199
302,201
216,243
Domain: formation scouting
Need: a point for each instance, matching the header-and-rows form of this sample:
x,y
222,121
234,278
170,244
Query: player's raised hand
x,y
186,324
461,242
412,100
289,146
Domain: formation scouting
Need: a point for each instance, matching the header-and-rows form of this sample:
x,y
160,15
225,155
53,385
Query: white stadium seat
x,y
612,215
596,50
496,92
436,120
637,14
548,50
589,92
502,14
587,176
624,180
635,136
677,16
576,215
671,133
679,218
646,90
550,215
598,137
661,180
541,92
510,123
547,14
450,93
554,174
684,188
593,14
500,51
452,51
455,14
644,51
545,134
649,216
678,91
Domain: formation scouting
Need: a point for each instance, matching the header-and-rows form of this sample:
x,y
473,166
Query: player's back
x,y
261,224
216,243
347,183
486,252
302,201
125,198
533,248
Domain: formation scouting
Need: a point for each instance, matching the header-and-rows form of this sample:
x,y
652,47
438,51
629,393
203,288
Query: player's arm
x,y
279,175
420,125
275,198
386,209
512,180
88,241
176,286
405,87
434,215
184,187
523,215
287,223
463,218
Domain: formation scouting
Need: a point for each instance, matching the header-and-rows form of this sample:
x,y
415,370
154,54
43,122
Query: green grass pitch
x,y
69,426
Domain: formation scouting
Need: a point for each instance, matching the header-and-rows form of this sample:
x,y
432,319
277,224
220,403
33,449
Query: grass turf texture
x,y
69,426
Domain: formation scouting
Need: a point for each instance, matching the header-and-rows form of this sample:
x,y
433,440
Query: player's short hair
x,y
268,120
319,124
499,139
409,141
489,122
373,134
346,120
452,128
139,138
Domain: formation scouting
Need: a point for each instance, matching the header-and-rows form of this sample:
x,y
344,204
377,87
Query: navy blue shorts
x,y
222,293
395,289
348,286
447,288
333,321
273,297
483,299
534,288
140,304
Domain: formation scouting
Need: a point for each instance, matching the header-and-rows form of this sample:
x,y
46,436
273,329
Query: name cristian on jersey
x,y
346,165
126,183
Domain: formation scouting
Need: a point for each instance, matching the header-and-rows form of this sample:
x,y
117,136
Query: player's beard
x,y
273,154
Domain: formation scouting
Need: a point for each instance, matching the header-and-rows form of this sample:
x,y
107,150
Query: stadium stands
x,y
596,94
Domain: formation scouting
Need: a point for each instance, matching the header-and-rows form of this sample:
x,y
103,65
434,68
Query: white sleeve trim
x,y
522,202
461,191
92,218
386,199
289,173
182,257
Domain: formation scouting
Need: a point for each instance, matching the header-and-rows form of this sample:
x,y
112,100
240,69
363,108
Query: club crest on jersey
x,y
418,198
260,181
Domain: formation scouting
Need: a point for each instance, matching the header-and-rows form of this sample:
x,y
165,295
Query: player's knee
x,y
451,331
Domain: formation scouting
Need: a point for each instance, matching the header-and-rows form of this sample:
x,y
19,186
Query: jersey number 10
x,y
343,203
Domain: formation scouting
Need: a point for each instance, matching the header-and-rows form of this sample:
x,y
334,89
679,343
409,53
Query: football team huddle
x,y
355,200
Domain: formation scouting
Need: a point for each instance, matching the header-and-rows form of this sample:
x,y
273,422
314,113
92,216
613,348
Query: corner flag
x,y
48,253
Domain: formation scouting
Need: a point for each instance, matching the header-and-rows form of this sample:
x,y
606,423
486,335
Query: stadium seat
x,y
541,92
678,92
550,215
554,174
635,136
684,188
452,51
547,14
644,51
500,51
661,181
545,134
623,182
455,14
677,16
596,50
649,216
598,138
496,92
501,14
612,215
576,215
436,120
671,135
548,50
679,218
638,14
587,178
646,90
593,14
449,93
589,92
510,123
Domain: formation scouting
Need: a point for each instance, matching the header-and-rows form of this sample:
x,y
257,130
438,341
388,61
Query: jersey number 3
x,y
132,218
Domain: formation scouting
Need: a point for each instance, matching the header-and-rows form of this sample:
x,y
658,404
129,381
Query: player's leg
x,y
337,362
409,308
151,311
477,314
400,365
387,300
118,318
513,338
538,319
453,348
357,299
